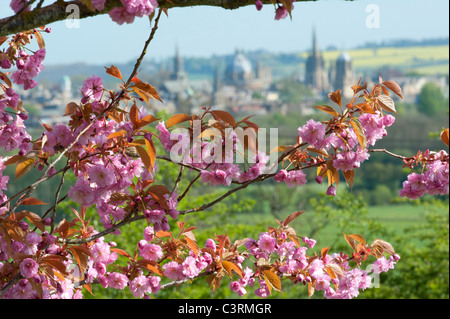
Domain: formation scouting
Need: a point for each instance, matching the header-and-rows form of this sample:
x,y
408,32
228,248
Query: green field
x,y
420,59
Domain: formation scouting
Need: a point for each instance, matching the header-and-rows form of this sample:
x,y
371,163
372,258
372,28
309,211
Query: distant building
x,y
340,74
241,74
344,77
316,75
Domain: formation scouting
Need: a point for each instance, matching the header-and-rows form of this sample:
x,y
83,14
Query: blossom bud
x,y
331,191
5,64
319,179
258,5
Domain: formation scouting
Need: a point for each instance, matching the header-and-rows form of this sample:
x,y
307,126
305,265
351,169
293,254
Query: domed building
x,y
240,73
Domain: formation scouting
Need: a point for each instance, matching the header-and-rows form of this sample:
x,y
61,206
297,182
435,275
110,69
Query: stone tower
x,y
344,76
178,72
316,74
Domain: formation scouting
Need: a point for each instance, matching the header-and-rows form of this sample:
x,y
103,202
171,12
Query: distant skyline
x,y
205,31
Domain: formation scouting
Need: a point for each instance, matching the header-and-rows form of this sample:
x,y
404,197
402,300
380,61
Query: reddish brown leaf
x,y
228,266
39,39
358,238
444,136
349,175
32,201
336,97
291,217
224,116
114,71
121,252
12,160
134,115
386,103
71,108
328,109
150,265
324,252
192,245
359,131
24,167
81,254
178,118
351,242
394,87
272,279
146,91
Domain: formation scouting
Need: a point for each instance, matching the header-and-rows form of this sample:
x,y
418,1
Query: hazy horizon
x,y
207,31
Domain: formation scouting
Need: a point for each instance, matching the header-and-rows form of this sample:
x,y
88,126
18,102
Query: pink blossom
x,y
331,191
235,286
155,215
17,5
98,5
140,8
149,233
81,193
266,242
120,15
258,5
210,244
173,270
28,68
139,286
263,290
295,178
154,282
101,175
309,241
313,132
281,175
101,252
414,187
281,13
348,160
190,269
117,280
92,88
383,265
29,268
150,251
164,136
14,136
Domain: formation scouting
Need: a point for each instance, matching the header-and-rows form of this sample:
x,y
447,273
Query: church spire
x,y
315,48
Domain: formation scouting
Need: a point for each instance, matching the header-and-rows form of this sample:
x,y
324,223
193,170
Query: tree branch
x,y
57,12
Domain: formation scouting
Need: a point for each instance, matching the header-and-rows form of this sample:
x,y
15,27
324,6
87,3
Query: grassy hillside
x,y
417,59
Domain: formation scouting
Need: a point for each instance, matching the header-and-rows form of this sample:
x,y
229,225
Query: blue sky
x,y
204,31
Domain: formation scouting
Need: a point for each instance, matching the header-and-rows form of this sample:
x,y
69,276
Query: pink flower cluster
x,y
280,12
129,10
349,154
139,286
189,268
14,136
293,262
17,5
434,180
92,89
28,67
291,178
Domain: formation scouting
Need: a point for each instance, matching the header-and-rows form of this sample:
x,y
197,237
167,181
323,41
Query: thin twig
x,y
180,174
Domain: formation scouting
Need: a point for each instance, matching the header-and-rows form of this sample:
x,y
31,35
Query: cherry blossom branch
x,y
382,150
45,176
57,12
